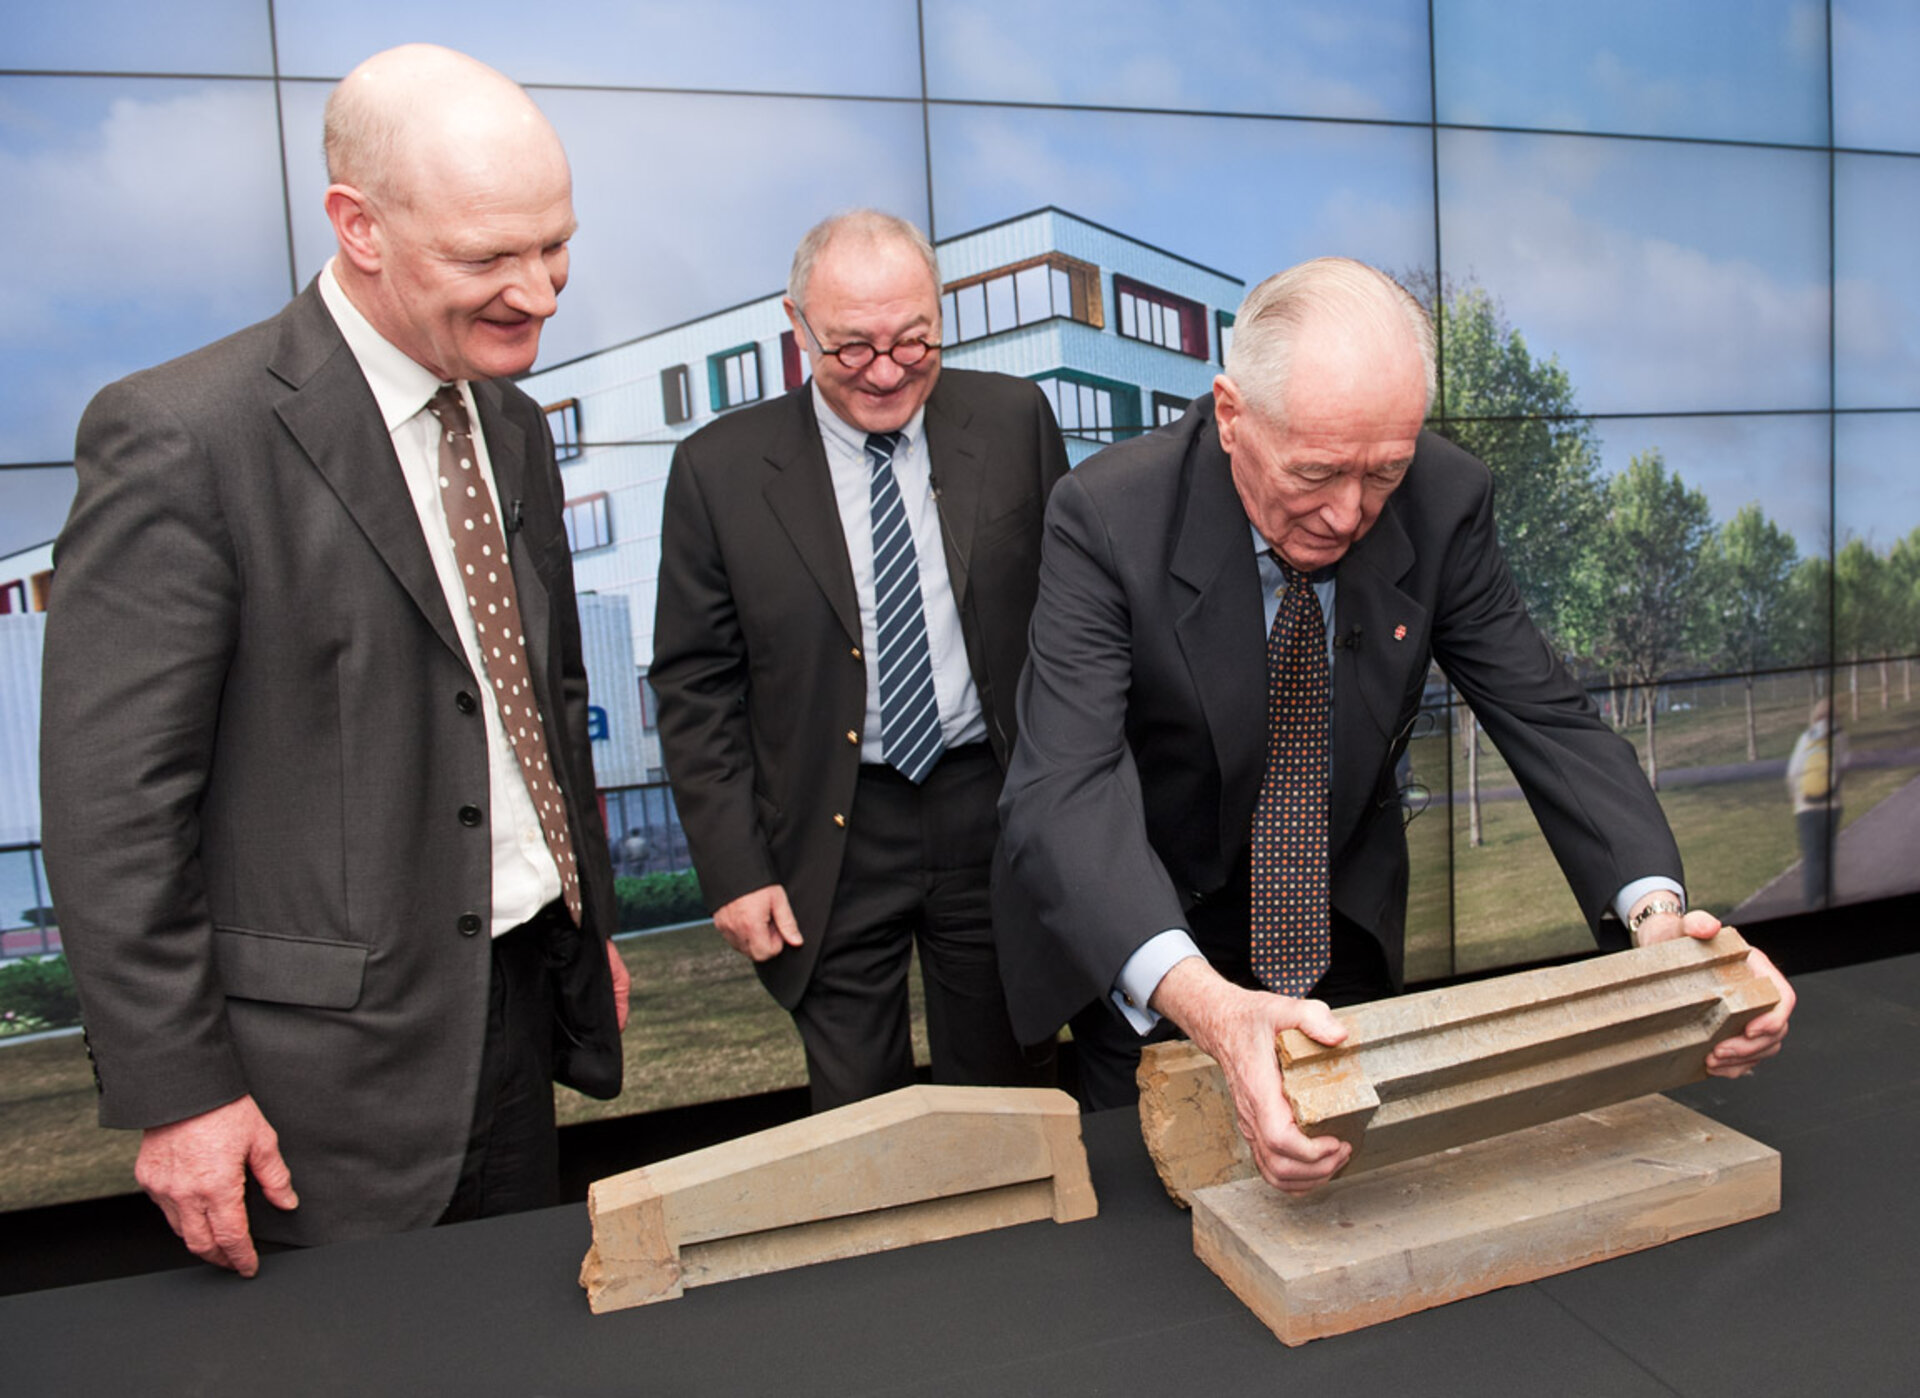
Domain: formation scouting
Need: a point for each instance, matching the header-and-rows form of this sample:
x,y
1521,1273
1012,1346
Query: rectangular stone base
x,y
1511,1209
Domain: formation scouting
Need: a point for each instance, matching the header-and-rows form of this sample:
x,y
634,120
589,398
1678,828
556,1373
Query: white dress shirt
x,y
962,720
525,878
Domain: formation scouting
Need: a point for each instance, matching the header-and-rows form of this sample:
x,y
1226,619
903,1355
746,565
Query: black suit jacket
x,y
264,771
756,652
1142,712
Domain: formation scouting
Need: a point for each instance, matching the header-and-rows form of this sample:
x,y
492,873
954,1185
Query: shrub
x,y
656,900
36,992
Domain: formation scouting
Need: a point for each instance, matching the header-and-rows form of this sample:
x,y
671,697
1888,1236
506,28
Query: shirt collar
x,y
400,385
852,438
1261,548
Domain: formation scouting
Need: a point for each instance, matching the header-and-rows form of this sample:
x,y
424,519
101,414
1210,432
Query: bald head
x,y
452,204
418,113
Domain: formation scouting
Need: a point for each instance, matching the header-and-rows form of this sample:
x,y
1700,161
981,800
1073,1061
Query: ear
x,y
1228,405
355,227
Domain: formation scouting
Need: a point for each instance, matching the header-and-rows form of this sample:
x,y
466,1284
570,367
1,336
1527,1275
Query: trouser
x,y
513,1159
914,872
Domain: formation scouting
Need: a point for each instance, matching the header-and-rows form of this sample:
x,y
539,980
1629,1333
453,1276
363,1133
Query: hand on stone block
x,y
1735,1057
1238,1028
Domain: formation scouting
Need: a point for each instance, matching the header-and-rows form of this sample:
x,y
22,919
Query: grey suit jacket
x,y
1142,713
264,771
756,660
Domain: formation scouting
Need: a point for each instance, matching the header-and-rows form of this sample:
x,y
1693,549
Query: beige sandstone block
x,y
1494,1213
910,1167
1437,1069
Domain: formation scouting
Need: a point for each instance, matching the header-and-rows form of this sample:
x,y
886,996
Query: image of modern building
x,y
1120,334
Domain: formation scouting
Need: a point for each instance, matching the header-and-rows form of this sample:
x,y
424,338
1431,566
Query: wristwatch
x,y
1655,905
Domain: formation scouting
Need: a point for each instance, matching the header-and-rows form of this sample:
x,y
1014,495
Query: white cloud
x,y
1643,322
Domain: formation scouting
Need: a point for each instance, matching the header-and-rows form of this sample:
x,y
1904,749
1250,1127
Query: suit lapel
x,y
800,494
332,415
1373,672
958,463
1220,623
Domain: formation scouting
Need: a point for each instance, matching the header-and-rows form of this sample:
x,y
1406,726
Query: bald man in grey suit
x,y
319,936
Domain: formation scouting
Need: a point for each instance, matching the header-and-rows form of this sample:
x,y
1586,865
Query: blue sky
x,y
1365,58
1745,70
1666,276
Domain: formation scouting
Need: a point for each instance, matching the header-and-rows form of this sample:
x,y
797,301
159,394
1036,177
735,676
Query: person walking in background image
x,y
1813,782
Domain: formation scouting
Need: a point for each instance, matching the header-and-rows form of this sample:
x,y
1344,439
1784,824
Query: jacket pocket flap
x,y
289,970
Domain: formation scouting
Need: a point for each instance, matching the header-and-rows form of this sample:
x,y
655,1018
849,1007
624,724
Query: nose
x,y
884,374
1343,507
535,291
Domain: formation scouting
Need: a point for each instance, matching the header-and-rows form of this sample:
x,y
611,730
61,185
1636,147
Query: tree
x,y
1519,416
1903,567
1751,566
1862,600
1654,608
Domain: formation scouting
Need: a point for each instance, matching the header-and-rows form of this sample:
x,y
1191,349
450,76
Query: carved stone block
x,y
1494,1213
1437,1069
910,1167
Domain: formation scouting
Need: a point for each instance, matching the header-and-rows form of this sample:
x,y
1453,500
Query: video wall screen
x,y
1669,248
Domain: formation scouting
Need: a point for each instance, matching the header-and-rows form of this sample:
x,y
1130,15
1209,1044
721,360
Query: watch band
x,y
1656,905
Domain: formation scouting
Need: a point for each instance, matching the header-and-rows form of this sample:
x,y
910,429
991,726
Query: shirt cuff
x,y
1140,977
1624,900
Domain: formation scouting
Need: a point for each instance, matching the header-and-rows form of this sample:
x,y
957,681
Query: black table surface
x,y
1820,1298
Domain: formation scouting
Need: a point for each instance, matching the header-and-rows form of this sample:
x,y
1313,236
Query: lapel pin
x,y
1400,632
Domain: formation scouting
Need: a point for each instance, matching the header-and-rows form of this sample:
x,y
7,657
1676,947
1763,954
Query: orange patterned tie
x,y
1288,907
480,550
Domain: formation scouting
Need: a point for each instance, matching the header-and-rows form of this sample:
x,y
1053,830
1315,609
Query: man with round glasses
x,y
845,582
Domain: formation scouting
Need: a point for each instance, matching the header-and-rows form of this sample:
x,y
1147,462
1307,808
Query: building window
x,y
734,376
589,523
1091,408
563,421
676,394
793,364
1223,331
1023,294
1168,408
1160,317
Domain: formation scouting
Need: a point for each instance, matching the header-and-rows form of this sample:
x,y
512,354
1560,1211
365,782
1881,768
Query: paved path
x,y
1877,856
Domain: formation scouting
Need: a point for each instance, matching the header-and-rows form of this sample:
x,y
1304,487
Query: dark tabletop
x,y
1821,1298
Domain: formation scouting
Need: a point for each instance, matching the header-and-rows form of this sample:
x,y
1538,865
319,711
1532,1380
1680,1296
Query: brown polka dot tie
x,y
480,552
1288,906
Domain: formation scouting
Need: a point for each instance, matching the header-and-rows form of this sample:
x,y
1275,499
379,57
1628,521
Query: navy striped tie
x,y
909,709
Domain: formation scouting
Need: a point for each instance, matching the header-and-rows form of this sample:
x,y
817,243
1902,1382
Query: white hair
x,y
866,223
1272,314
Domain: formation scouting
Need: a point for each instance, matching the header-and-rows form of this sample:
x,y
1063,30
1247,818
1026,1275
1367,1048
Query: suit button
x,y
839,820
465,702
469,815
853,736
469,924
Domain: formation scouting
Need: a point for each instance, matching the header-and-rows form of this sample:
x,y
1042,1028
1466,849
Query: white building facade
x,y
1121,335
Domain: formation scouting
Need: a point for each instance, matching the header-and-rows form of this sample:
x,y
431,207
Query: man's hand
x,y
1736,1057
759,924
1238,1028
196,1171
622,985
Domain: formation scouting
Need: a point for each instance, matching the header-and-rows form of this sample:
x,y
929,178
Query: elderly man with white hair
x,y
1203,827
